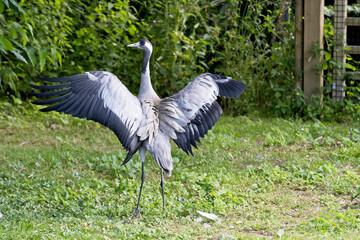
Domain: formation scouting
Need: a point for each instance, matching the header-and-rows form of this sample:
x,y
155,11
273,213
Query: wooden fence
x,y
341,21
309,15
309,31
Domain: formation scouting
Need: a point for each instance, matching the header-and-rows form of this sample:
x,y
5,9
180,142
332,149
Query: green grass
x,y
61,177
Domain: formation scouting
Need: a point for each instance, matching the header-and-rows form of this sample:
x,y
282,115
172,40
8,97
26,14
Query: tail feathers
x,y
168,172
166,165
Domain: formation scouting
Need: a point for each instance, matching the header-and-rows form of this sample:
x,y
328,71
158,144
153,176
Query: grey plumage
x,y
146,122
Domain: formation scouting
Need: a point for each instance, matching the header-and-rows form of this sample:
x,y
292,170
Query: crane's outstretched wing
x,y
190,114
98,96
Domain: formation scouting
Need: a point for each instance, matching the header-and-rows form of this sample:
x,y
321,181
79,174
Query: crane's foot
x,y
136,214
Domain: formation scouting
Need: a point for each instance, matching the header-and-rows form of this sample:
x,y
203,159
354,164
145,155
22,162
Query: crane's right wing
x,y
97,96
190,114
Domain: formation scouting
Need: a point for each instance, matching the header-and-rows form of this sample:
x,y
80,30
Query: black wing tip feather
x,y
228,87
50,87
198,127
64,79
45,110
128,157
131,153
231,88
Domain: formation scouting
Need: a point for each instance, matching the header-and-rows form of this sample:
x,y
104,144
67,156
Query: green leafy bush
x,y
58,38
189,37
248,40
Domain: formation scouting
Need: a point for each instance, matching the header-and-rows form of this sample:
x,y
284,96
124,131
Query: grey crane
x,y
146,122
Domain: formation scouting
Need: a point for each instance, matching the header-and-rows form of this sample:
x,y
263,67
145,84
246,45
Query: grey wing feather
x,y
190,114
97,96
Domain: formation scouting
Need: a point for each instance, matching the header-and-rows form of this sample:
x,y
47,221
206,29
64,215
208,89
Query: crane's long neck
x,y
146,90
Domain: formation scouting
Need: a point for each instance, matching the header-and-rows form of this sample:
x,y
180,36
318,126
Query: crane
x,y
146,122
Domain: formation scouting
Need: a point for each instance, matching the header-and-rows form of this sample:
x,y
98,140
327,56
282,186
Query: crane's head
x,y
143,44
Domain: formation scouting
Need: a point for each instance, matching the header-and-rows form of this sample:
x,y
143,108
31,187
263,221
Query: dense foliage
x,y
250,40
58,38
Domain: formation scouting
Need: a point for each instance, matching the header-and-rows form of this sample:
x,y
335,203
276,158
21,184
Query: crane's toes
x,y
136,214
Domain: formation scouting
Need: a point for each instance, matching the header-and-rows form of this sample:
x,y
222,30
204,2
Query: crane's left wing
x,y
190,114
97,96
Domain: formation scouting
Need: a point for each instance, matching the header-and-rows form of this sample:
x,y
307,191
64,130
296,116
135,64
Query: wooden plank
x,y
299,43
353,21
338,93
354,75
353,49
313,33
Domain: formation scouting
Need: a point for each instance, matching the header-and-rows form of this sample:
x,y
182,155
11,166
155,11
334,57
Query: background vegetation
x,y
250,40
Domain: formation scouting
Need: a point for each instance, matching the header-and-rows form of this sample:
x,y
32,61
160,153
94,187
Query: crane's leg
x,y
142,157
162,188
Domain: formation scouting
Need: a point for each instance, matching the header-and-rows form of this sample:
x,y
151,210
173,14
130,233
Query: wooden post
x,y
313,33
338,92
299,43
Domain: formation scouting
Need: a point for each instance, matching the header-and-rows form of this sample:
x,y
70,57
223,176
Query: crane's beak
x,y
134,45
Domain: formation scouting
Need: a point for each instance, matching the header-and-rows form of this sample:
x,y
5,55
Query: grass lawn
x,y
61,177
